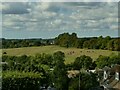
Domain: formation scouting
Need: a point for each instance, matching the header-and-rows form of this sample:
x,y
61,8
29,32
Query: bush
x,y
4,53
15,80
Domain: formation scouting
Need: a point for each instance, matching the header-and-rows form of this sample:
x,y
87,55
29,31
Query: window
x,y
105,75
117,76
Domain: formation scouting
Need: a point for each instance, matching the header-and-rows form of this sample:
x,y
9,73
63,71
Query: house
x,y
110,78
117,77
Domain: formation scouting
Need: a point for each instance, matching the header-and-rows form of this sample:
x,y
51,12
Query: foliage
x,y
27,63
74,83
71,40
82,62
114,59
103,61
52,70
16,43
67,40
86,80
60,78
15,80
40,63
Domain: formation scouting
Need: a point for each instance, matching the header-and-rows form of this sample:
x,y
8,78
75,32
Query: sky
x,y
49,19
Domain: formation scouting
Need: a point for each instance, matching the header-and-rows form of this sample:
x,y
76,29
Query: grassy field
x,y
70,53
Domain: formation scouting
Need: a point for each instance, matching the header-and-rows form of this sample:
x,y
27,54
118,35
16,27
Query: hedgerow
x,y
16,80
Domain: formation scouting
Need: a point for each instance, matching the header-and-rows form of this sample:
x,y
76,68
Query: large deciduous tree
x,y
83,61
60,78
86,81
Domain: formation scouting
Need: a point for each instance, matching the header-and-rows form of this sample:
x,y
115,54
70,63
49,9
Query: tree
x,y
66,40
86,44
102,61
79,43
60,78
73,39
114,59
44,59
83,62
110,45
4,52
117,44
74,83
87,81
58,56
93,43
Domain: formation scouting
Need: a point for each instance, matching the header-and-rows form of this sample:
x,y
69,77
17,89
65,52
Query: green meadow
x,y
70,53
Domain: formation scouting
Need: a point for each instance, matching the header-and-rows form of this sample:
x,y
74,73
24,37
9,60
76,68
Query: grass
x,y
70,53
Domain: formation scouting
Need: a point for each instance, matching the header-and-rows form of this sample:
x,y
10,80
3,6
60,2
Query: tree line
x,y
17,43
67,40
53,70
71,40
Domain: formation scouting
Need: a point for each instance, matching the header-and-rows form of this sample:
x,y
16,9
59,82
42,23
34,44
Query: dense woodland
x,y
67,40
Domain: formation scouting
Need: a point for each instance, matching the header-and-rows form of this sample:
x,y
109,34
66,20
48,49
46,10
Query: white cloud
x,y
59,1
62,16
14,8
3,6
14,0
114,27
8,24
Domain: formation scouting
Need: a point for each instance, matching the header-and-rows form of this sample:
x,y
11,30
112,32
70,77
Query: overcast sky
x,y
49,19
